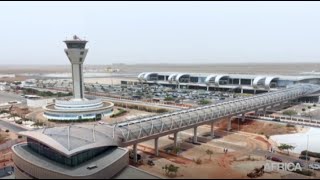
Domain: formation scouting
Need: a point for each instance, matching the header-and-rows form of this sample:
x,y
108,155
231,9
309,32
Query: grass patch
x,y
120,112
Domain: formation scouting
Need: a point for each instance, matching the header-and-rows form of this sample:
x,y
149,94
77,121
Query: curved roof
x,y
70,140
256,80
180,75
140,76
268,81
217,79
170,78
146,75
208,78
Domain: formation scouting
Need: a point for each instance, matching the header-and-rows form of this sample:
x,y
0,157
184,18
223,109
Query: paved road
x,y
6,125
142,103
6,97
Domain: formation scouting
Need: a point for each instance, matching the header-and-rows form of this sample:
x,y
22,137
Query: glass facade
x,y
59,158
76,45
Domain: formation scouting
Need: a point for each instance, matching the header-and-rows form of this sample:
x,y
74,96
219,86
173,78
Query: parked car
x,y
314,166
304,158
276,159
317,160
298,162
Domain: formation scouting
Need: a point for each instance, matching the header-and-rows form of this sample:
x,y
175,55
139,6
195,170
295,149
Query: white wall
x,y
34,103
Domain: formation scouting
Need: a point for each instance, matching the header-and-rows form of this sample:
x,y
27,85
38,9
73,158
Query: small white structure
x,y
35,103
7,75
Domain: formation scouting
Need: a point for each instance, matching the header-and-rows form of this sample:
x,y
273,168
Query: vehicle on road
x,y
304,158
276,159
298,162
276,119
315,166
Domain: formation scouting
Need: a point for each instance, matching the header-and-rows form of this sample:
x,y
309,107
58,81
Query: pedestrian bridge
x,y
135,131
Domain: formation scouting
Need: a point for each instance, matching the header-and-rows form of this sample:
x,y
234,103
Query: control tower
x,y
76,53
78,107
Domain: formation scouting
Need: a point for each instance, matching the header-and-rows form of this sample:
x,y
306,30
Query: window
x,y
82,52
80,59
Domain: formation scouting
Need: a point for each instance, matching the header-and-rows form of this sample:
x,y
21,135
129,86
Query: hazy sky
x,y
161,32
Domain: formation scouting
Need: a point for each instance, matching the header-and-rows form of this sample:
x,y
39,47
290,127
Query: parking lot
x,y
145,91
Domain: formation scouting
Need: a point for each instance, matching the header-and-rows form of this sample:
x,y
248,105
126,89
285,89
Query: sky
x,y
161,32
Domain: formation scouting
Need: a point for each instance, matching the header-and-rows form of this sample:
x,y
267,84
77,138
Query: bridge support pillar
x,y
207,88
175,140
241,90
229,124
264,110
135,156
195,134
156,146
243,118
212,129
256,111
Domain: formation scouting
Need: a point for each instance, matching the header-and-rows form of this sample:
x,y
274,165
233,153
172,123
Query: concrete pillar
x,y
241,90
195,134
207,88
135,156
243,118
229,125
156,146
175,139
264,110
212,129
254,91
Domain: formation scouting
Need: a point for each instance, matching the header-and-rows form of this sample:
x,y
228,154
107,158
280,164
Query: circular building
x,y
79,107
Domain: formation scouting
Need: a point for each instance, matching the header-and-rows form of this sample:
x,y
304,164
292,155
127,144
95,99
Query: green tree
x,y
170,169
286,147
209,152
168,98
290,113
204,102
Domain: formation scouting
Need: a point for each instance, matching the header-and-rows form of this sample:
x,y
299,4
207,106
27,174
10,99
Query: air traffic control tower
x,y
77,52
78,107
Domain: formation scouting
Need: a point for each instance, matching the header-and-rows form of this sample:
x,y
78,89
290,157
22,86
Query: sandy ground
x,y
219,166
271,68
107,80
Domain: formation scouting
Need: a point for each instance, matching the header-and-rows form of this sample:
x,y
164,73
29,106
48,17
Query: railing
x,y
145,128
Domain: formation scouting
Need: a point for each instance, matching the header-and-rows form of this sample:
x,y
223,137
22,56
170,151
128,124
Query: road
x,y
157,105
6,125
6,97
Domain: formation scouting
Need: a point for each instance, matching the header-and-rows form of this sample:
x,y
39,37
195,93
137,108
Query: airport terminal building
x,y
73,152
242,83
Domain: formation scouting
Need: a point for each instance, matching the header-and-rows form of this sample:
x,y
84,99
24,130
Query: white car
x,y
314,166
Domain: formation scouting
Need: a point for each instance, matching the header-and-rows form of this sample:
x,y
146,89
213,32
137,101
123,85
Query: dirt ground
x,y
234,164
258,127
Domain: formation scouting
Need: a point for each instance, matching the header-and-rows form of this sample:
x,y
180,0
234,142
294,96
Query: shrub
x,y
18,122
7,130
119,113
161,110
19,136
290,125
168,98
204,102
314,105
198,161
